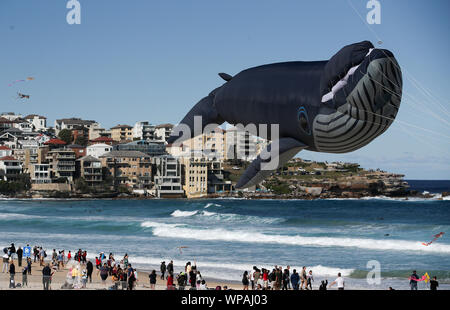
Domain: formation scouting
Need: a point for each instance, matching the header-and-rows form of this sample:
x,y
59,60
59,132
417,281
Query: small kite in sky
x,y
434,239
22,96
181,247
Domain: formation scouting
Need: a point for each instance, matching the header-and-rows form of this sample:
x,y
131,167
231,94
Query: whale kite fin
x,y
225,76
273,157
204,112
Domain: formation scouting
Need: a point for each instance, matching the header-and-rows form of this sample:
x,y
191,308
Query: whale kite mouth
x,y
344,81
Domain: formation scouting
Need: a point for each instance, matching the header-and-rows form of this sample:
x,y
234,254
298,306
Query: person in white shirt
x,y
339,281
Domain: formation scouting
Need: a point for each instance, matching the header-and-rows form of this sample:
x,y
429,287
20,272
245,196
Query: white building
x,y
40,173
163,131
97,150
11,116
5,151
38,122
143,130
72,123
168,177
9,168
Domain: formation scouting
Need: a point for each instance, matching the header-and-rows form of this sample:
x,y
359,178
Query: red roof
x,y
4,147
7,158
55,141
103,139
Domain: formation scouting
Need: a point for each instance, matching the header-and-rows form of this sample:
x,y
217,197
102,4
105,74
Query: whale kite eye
x,y
303,120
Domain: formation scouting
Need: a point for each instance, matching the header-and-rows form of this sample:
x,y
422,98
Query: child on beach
x,y
309,278
24,277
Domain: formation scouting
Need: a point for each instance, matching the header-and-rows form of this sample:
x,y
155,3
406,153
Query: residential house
x,y
98,149
5,151
71,123
39,123
102,140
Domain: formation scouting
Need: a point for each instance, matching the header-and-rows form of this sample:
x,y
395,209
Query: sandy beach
x,y
59,278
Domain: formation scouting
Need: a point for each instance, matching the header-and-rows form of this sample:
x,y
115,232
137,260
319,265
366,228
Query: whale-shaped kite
x,y
333,106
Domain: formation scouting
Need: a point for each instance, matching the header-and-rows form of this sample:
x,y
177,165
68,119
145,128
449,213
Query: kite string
x,y
409,76
413,100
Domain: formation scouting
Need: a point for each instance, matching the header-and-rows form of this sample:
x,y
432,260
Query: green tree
x,y
81,140
65,135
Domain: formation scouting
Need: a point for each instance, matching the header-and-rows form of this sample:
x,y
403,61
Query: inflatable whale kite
x,y
333,106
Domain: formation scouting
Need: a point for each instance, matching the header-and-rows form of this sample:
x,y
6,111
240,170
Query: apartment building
x,y
163,131
195,176
10,168
167,177
98,149
90,169
62,163
151,148
40,173
143,130
130,168
122,133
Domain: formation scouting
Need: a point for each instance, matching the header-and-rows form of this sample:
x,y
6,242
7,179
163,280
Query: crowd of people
x,y
125,277
280,279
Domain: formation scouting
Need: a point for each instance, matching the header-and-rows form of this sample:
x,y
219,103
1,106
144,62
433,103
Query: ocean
x,y
225,237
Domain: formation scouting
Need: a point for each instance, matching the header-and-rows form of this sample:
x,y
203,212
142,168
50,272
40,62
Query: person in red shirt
x,y
69,256
170,281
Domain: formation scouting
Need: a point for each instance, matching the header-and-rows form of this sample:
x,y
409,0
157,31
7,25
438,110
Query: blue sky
x,y
152,60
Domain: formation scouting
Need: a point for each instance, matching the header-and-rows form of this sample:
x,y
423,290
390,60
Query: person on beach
x,y
256,273
84,278
245,281
252,278
260,283
413,280
104,273
434,284
12,274
12,251
163,268
170,267
131,277
98,263
124,279
265,276
19,256
46,276
303,278
170,281
24,277
29,265
285,279
339,281
309,280
69,256
203,286
181,279
5,262
152,278
295,278
89,270
125,261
